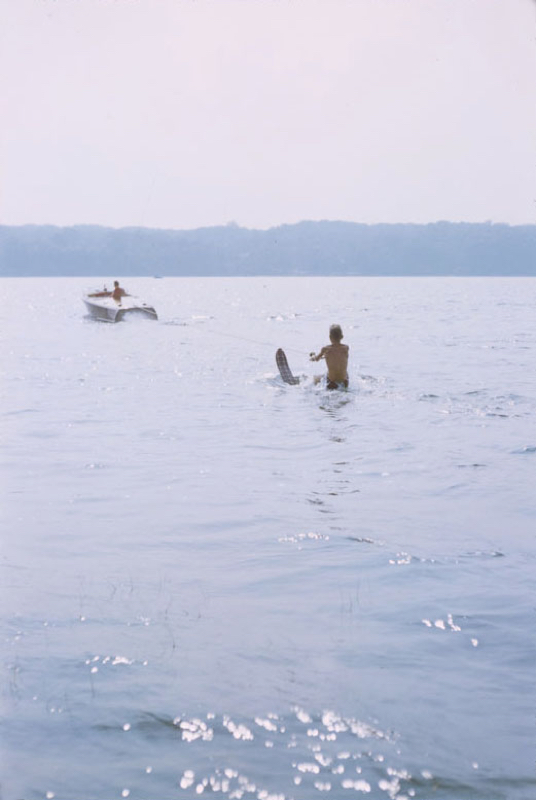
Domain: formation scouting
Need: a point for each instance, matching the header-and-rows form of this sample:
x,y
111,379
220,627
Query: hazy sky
x,y
186,113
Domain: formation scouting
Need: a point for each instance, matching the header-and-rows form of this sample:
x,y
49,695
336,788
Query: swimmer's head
x,y
335,333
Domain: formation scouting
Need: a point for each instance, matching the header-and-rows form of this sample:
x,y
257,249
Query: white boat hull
x,y
106,309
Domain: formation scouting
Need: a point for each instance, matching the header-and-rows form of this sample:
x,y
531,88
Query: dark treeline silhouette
x,y
306,248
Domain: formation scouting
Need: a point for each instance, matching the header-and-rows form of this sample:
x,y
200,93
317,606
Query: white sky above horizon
x,y
190,113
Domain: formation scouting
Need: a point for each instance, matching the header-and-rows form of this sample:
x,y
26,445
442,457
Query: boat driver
x,y
118,292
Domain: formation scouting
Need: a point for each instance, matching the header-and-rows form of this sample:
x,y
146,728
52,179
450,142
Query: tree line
x,y
305,248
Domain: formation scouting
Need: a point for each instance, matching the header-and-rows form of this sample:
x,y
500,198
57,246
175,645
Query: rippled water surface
x,y
216,584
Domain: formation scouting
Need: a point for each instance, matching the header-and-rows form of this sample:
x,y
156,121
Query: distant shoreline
x,y
303,249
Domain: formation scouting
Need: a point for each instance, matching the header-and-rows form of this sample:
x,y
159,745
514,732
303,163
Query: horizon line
x,y
237,226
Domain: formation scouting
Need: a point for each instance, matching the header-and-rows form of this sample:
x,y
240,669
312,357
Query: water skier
x,y
336,355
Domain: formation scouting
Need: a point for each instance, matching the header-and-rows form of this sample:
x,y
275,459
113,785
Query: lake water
x,y
216,584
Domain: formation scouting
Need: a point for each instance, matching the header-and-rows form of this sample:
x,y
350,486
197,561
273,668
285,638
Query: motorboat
x,y
102,306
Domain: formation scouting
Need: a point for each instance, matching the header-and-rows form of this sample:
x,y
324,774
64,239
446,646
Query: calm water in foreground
x,y
215,584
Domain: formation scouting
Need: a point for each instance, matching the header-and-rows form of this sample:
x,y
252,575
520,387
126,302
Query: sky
x,y
191,113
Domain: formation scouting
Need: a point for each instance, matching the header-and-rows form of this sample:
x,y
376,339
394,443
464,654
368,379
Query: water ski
x,y
284,369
